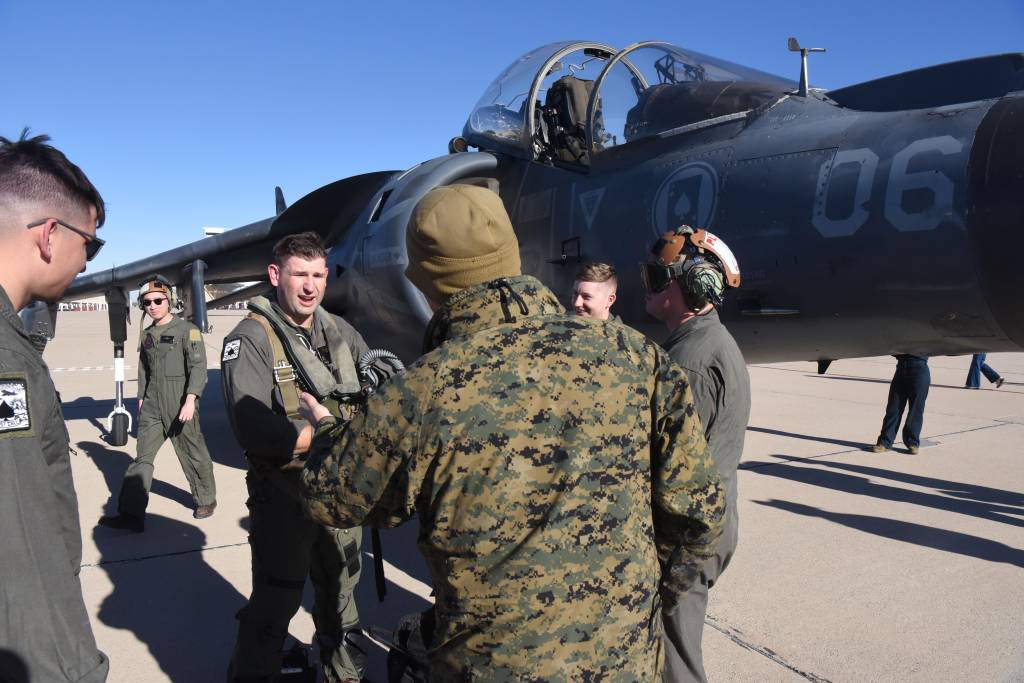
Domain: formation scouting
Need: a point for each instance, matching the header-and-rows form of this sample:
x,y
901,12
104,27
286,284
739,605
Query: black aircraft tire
x,y
119,430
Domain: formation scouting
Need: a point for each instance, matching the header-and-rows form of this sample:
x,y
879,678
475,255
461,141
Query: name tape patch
x,y
231,350
14,415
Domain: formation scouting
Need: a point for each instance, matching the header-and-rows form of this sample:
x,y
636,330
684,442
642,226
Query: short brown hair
x,y
597,272
305,245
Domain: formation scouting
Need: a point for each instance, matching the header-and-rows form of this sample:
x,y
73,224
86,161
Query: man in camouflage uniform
x,y
49,212
286,546
172,375
556,463
685,278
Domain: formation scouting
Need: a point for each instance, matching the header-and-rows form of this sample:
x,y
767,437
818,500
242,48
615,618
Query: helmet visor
x,y
655,277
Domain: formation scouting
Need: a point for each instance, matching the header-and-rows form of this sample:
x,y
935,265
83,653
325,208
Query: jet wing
x,y
242,254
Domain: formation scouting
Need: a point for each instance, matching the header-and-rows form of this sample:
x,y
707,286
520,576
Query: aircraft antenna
x,y
794,46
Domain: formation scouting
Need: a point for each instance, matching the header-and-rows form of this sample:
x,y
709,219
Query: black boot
x,y
123,521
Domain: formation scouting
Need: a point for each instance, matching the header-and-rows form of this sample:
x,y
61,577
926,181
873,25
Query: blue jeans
x,y
909,386
978,368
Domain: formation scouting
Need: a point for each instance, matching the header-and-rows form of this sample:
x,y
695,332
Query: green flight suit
x,y
703,347
286,546
172,364
43,620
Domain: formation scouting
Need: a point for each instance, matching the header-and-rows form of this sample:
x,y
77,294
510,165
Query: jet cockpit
x,y
566,102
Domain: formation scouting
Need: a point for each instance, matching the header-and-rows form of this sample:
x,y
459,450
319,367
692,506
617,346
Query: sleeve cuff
x,y
325,425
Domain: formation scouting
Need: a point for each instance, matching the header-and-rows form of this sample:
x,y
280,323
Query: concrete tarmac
x,y
851,566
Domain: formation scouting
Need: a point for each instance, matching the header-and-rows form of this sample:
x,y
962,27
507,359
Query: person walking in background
x,y
978,368
172,376
909,386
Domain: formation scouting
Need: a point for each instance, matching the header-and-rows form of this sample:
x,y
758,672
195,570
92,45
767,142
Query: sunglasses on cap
x,y
93,244
155,301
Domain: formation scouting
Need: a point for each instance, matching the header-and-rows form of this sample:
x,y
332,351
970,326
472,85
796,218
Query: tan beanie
x,y
459,236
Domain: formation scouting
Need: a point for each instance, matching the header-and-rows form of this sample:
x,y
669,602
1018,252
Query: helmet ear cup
x,y
702,284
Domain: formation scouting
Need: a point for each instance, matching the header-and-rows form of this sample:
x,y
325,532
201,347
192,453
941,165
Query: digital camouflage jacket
x,y
558,468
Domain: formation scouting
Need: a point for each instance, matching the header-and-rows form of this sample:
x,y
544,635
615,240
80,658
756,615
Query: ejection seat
x,y
563,119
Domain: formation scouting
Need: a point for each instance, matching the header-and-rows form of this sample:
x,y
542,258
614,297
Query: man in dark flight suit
x,y
49,212
685,278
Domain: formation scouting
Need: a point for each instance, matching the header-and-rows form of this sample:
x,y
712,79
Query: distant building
x,y
93,303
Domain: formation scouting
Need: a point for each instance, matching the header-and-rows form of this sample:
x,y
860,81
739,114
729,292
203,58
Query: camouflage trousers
x,y
286,548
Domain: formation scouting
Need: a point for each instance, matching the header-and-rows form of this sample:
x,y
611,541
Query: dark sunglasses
x,y
93,244
154,302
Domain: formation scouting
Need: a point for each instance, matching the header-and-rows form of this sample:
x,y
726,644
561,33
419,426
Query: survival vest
x,y
297,368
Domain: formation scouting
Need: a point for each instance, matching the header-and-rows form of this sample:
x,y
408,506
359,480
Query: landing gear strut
x,y
119,422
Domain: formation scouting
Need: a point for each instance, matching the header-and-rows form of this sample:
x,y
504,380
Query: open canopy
x,y
567,101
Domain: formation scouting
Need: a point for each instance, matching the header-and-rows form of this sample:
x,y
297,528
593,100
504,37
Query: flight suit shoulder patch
x,y
194,335
15,419
232,348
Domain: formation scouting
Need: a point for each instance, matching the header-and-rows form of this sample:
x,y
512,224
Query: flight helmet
x,y
698,260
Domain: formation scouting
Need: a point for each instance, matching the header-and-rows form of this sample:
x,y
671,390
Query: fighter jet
x,y
883,217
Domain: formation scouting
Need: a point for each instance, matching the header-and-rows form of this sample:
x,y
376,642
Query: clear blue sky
x,y
186,114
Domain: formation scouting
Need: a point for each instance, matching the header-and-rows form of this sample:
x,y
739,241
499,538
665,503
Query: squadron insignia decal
x,y
14,415
688,196
231,350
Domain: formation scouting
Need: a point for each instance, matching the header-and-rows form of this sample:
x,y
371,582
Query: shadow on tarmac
x,y
174,603
821,439
113,464
908,532
875,380
12,667
862,486
220,439
950,488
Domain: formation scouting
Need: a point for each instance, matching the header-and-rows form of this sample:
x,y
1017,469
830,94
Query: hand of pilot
x,y
312,410
187,410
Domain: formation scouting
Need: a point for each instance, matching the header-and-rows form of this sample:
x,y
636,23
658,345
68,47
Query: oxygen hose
x,y
371,374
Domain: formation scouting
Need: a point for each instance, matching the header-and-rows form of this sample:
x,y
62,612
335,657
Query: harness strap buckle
x,y
284,373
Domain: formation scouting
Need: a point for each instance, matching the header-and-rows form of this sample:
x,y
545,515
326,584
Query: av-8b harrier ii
x,y
883,217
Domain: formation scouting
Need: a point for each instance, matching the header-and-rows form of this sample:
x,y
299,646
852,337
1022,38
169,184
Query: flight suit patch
x,y
195,335
148,344
231,350
167,339
14,411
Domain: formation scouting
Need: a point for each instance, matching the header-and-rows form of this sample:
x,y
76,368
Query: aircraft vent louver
x,y
379,209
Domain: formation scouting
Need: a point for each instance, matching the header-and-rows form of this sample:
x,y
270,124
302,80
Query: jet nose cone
x,y
996,212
